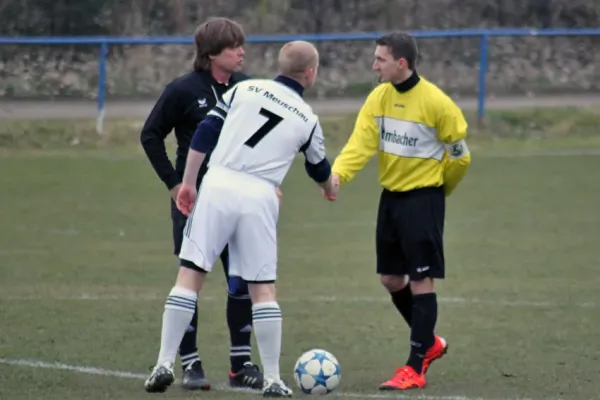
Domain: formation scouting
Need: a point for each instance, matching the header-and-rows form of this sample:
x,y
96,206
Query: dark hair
x,y
401,45
213,36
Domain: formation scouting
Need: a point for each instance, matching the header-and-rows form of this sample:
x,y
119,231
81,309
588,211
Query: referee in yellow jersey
x,y
419,135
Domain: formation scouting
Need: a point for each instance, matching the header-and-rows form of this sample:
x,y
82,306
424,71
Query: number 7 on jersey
x,y
272,121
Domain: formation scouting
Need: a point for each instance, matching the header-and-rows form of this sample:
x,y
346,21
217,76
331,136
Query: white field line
x,y
317,299
37,364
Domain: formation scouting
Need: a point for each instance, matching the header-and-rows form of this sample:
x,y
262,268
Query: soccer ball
x,y
317,372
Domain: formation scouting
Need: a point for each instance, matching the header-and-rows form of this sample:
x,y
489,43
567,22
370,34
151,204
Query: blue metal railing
x,y
483,34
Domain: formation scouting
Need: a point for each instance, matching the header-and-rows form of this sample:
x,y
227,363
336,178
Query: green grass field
x,y
85,265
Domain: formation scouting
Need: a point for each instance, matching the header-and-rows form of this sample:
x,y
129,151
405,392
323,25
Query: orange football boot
x,y
437,351
404,378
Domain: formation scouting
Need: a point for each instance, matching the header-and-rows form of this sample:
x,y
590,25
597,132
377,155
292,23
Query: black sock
x,y
239,320
188,350
422,337
402,299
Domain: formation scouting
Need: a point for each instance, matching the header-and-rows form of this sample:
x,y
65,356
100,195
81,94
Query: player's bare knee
x,y
422,286
394,283
191,279
261,292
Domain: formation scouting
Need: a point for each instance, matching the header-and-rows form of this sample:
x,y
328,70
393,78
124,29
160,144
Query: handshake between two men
x,y
329,188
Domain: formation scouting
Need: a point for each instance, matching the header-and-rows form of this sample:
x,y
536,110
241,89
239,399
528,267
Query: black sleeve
x,y
157,127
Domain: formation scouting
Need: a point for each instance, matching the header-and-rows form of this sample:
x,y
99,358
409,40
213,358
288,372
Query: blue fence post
x,y
101,87
482,81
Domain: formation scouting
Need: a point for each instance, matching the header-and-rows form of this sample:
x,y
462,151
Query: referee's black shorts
x,y
179,220
409,237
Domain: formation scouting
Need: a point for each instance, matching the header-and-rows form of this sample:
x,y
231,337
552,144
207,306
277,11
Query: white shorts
x,y
240,210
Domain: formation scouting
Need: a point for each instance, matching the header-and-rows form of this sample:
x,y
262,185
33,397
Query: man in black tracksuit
x,y
182,105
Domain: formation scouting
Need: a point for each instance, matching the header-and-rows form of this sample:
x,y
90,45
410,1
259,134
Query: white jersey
x,y
266,124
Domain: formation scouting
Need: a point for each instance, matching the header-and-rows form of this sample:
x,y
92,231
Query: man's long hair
x,y
213,36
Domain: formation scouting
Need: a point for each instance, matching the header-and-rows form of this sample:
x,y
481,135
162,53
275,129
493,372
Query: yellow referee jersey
x,y
419,132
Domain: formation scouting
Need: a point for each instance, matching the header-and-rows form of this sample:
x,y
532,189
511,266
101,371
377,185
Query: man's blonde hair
x,y
297,57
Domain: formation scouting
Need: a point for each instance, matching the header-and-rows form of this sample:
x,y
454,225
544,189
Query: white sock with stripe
x,y
189,359
266,320
179,310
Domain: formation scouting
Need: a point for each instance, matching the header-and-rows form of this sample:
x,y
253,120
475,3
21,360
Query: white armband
x,y
457,149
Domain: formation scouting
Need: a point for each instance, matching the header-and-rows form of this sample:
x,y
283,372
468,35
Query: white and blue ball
x,y
317,372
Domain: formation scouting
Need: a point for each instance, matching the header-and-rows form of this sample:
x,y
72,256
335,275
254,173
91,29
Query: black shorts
x,y
179,221
409,237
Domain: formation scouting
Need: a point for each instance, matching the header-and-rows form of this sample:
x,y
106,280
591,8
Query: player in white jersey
x,y
253,137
